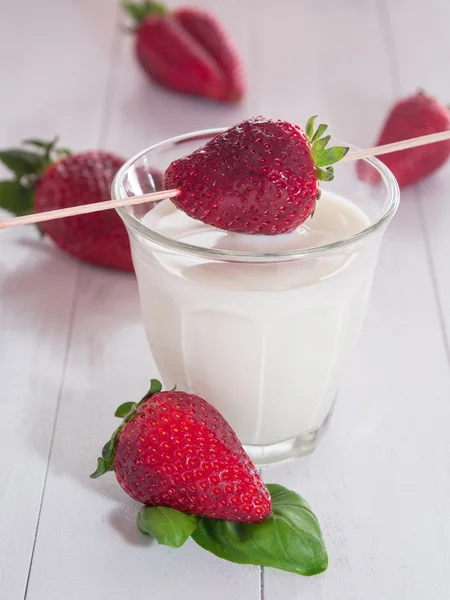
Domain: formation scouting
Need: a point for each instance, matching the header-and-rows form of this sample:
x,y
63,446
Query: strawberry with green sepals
x,y
259,177
187,50
175,453
416,115
47,178
175,450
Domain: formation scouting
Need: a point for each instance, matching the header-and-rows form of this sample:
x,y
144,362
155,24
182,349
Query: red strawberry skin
x,y
205,29
257,177
188,51
181,453
98,238
416,115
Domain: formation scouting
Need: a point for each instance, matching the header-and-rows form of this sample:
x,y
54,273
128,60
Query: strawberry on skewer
x,y
200,202
259,177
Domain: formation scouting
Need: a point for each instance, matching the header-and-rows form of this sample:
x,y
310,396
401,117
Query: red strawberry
x,y
414,116
260,176
174,449
187,50
48,179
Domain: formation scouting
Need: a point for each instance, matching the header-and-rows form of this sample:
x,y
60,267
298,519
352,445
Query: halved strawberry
x,y
187,50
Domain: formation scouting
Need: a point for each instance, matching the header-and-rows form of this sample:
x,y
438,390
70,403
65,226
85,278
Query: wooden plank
x,y
427,35
58,71
380,479
54,74
88,545
32,357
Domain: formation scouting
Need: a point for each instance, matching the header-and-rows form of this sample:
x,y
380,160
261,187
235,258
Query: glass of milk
x,y
260,326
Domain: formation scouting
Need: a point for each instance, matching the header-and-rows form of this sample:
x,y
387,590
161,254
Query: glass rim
x,y
117,191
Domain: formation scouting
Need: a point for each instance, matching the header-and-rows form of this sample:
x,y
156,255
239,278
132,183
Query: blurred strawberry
x,y
47,178
187,50
416,115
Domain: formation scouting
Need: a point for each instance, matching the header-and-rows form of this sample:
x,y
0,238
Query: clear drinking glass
x,y
263,336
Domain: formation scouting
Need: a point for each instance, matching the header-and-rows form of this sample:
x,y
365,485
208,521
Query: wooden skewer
x,y
422,140
84,209
155,196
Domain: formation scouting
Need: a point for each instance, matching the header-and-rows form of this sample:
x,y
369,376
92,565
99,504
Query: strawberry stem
x,y
323,157
141,11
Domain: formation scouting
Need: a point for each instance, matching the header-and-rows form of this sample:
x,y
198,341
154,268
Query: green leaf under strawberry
x,y
168,526
289,539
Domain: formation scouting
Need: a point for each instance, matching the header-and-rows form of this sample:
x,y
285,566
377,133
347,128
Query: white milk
x,y
264,343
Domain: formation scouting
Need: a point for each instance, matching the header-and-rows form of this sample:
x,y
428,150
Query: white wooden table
x,y
72,347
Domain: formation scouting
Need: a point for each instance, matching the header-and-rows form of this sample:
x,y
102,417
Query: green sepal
x,y
155,388
102,467
325,174
106,461
127,411
319,133
323,156
319,146
330,156
124,409
47,146
140,11
37,143
108,448
27,166
309,129
16,198
61,153
22,162
100,470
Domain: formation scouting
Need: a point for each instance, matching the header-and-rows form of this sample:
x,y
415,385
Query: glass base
x,y
302,445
